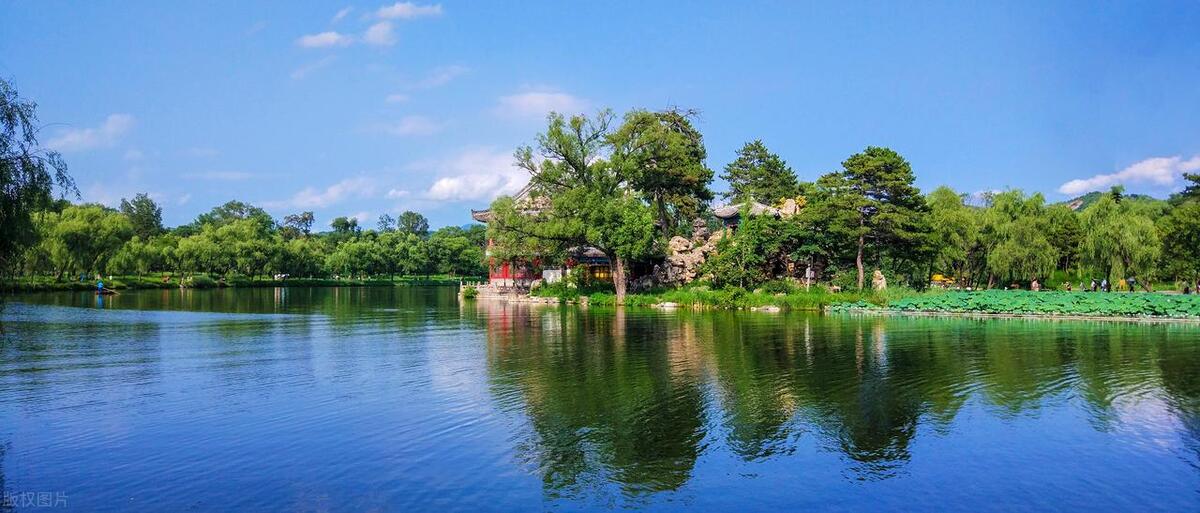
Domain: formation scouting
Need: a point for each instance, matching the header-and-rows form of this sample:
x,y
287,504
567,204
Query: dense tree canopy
x,y
661,155
28,175
759,175
954,228
873,206
581,198
144,214
623,190
1119,241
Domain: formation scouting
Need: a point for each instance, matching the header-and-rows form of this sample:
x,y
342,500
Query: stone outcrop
x,y
683,261
878,281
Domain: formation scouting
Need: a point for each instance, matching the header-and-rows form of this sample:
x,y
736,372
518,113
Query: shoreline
x,y
19,286
835,307
891,312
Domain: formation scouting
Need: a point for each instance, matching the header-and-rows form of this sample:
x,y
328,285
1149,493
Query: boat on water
x,y
106,292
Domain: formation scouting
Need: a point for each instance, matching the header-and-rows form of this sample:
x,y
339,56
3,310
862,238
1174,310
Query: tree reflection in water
x,y
628,400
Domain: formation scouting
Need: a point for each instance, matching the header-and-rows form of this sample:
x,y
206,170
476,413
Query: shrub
x,y
200,281
778,287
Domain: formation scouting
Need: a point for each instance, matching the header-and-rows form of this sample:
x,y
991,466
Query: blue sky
x,y
369,108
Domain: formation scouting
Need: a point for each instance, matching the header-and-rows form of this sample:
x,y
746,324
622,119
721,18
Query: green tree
x,y
1118,241
297,224
759,175
585,198
758,251
135,257
1065,233
345,226
455,253
386,223
1181,241
301,257
954,232
1014,236
201,253
873,207
92,234
661,155
144,214
412,222
229,212
28,175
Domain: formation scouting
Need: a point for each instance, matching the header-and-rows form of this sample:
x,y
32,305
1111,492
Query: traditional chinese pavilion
x,y
522,274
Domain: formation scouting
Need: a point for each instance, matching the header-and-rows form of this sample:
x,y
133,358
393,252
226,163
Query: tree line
x,y
625,187
42,235
240,239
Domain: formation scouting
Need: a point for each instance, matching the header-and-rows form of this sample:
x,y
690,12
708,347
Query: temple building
x,y
521,274
731,215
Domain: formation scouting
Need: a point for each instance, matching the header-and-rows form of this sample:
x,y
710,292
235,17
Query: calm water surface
x,y
402,399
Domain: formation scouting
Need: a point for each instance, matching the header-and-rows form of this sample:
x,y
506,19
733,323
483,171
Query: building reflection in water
x,y
626,401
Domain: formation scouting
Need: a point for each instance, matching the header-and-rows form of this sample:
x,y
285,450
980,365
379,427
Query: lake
x,y
403,399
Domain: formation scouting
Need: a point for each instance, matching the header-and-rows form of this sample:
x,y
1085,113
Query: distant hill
x,y
1086,200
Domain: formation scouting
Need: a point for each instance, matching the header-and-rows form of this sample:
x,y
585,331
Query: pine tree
x,y
759,175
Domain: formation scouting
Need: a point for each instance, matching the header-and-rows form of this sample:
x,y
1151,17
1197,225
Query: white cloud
x,y
475,174
221,176
310,197
412,126
536,104
380,34
324,40
440,77
183,200
397,98
341,14
106,135
306,69
1158,171
397,194
408,11
363,218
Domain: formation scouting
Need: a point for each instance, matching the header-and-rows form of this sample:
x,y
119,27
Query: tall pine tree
x,y
759,175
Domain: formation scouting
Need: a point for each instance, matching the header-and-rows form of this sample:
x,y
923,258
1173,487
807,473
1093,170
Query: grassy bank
x,y
775,294
48,283
1016,302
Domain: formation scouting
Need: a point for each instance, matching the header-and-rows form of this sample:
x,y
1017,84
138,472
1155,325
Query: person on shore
x,y
1093,287
1104,285
1035,286
99,285
1186,290
1068,286
1132,282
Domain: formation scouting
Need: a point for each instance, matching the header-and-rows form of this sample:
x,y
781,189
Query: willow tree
x,y
661,155
1014,237
28,175
1181,238
581,199
1119,241
954,231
